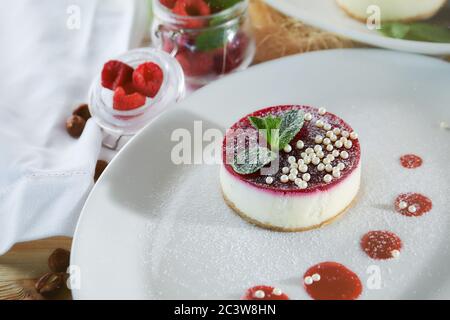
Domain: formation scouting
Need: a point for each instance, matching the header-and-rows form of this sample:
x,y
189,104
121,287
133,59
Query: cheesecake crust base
x,y
280,229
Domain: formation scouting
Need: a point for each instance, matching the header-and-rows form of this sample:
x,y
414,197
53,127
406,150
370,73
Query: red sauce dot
x,y
420,203
270,293
336,282
411,161
381,244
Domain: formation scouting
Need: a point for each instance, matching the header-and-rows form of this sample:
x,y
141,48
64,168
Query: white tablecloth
x,y
50,51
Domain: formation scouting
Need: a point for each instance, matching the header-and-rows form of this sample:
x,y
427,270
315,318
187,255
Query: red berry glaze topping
x,y
331,281
381,245
264,293
413,204
116,73
147,79
411,161
123,101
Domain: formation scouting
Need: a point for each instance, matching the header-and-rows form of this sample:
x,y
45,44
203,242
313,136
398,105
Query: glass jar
x,y
118,123
207,47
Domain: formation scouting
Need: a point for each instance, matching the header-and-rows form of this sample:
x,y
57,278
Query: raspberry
x,y
192,8
147,79
168,3
227,60
124,101
116,73
195,63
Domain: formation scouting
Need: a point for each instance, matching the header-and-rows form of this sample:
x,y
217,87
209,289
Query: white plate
x,y
326,14
151,229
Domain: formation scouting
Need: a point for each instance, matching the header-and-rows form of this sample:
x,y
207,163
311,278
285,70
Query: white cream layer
x,y
292,210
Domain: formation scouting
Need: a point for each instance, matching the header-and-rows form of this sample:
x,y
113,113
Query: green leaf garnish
x,y
251,160
215,38
416,31
219,5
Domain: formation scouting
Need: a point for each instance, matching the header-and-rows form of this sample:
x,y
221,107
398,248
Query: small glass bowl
x,y
207,47
125,123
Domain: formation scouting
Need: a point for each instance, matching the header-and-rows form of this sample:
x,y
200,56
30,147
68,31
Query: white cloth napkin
x,y
50,51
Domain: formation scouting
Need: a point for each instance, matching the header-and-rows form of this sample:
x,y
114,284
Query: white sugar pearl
x,y
322,111
337,131
335,153
316,277
344,154
269,180
333,138
320,167
277,292
326,141
303,184
318,139
403,205
336,172
353,135
319,123
326,161
294,165
345,134
338,144
303,154
294,171
395,253
303,168
317,148
292,159
292,177
331,157
308,116
320,154
307,160
285,170
287,148
330,147
328,168
329,134
259,294
309,150
326,126
306,177
327,178
348,144
284,178
412,209
300,162
297,181
343,140
308,281
341,166
315,161
300,144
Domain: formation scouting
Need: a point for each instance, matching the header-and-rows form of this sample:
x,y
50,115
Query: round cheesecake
x,y
317,177
393,10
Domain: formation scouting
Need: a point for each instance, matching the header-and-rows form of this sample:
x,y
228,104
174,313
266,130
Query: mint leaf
x,y
218,5
258,123
416,31
251,160
268,124
214,38
291,123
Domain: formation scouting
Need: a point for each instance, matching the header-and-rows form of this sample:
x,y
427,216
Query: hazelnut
x,y
50,283
75,125
83,111
99,168
59,260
